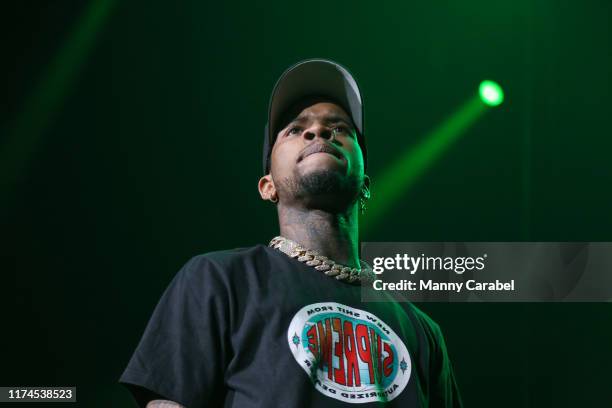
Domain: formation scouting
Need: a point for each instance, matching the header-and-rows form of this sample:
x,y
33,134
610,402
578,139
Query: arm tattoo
x,y
163,404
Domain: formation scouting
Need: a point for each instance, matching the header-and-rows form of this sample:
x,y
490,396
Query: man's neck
x,y
332,235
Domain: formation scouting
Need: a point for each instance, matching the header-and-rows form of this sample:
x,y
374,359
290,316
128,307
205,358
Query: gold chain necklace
x,y
323,263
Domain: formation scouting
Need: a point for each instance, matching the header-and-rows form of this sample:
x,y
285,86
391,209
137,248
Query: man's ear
x,y
266,188
365,189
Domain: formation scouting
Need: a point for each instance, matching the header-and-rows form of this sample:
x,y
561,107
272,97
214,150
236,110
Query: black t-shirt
x,y
253,327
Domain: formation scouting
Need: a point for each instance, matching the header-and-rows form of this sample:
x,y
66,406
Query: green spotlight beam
x,y
46,100
404,172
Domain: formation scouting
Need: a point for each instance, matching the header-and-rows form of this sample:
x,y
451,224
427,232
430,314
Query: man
x,y
283,325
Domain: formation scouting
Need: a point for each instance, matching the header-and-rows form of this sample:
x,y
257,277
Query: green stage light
x,y
491,93
46,101
412,164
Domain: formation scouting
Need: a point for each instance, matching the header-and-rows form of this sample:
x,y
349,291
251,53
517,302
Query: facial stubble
x,y
324,189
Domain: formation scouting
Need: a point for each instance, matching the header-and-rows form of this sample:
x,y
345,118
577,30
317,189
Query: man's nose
x,y
318,130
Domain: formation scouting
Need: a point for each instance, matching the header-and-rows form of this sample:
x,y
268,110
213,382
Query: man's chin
x,y
326,184
324,167
321,171
320,180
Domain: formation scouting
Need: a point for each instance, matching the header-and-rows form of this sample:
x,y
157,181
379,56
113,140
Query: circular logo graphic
x,y
349,354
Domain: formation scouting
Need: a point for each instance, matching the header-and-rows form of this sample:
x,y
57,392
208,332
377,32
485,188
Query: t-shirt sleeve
x,y
184,350
443,386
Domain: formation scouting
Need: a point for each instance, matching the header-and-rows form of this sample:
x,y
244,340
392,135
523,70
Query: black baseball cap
x,y
313,77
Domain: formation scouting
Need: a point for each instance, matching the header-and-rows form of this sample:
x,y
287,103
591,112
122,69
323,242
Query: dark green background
x,y
154,156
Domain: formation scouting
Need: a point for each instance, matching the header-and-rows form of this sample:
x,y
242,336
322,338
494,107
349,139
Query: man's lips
x,y
320,148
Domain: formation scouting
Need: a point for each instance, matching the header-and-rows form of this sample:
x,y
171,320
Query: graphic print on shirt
x,y
349,354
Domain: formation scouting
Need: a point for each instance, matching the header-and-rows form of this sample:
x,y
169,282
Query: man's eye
x,y
342,130
294,131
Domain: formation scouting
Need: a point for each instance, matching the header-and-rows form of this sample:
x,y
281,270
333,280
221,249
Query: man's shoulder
x,y
429,326
227,262
232,257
